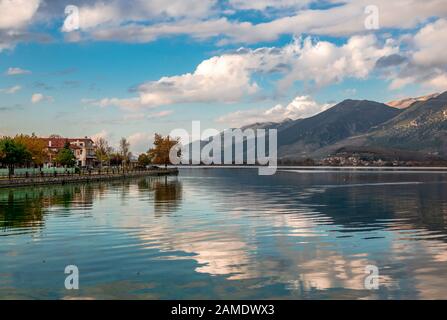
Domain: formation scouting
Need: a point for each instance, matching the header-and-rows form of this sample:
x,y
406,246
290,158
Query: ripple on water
x,y
229,234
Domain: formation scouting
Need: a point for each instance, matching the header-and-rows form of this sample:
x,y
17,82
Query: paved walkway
x,y
63,179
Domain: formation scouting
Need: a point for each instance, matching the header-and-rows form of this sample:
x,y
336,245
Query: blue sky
x,y
131,70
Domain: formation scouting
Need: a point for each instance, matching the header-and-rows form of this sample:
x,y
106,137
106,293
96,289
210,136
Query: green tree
x,y
13,153
65,156
144,160
116,159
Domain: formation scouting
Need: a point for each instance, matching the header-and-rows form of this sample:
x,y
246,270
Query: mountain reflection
x,y
212,232
346,199
398,216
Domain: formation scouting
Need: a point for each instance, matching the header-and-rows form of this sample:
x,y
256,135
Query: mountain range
x,y
412,129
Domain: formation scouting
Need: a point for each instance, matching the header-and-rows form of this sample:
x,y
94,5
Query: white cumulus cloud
x,y
118,13
323,62
219,79
301,107
104,134
431,45
15,14
140,142
114,20
231,77
425,59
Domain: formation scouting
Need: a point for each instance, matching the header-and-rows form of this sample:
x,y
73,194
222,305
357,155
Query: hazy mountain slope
x,y
421,127
418,132
346,119
405,103
271,125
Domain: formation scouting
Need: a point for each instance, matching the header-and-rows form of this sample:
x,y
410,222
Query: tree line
x,y
157,155
30,151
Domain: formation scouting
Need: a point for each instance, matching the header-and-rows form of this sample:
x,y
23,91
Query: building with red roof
x,y
83,149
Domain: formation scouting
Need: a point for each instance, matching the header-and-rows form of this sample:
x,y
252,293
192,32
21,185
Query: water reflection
x,y
19,212
232,234
26,207
371,222
167,193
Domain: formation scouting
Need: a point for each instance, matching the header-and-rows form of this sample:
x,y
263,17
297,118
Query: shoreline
x,y
314,167
61,180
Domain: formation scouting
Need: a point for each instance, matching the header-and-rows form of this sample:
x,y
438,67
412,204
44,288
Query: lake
x,y
229,233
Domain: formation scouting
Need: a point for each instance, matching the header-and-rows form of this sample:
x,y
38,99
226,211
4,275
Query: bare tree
x,y
124,149
102,150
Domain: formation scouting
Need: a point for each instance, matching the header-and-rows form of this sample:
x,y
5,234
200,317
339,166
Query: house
x,y
83,149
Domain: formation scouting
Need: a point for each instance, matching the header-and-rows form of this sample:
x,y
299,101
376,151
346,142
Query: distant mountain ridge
x,y
346,119
421,127
405,103
357,127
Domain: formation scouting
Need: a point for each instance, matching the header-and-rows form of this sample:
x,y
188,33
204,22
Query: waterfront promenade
x,y
82,177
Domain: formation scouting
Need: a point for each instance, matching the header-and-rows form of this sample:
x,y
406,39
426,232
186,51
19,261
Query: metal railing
x,y
19,173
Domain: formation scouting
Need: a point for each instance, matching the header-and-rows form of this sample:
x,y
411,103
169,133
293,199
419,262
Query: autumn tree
x,y
159,154
35,146
13,153
65,156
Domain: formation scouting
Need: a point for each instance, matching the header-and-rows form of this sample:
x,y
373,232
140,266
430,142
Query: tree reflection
x,y
26,207
167,193
168,196
20,210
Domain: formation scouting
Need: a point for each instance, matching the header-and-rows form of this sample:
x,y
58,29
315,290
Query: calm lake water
x,y
228,233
